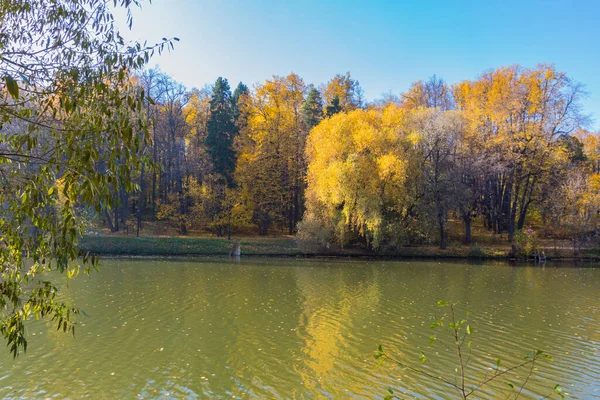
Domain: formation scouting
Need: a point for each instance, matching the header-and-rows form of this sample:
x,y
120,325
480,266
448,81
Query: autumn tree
x,y
172,128
576,204
271,164
360,165
518,114
440,133
591,148
472,169
433,93
347,90
573,146
197,114
150,81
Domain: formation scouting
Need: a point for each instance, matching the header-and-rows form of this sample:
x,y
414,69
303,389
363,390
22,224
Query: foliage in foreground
x,y
458,331
71,130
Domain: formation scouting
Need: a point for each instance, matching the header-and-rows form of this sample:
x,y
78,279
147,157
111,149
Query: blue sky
x,y
386,45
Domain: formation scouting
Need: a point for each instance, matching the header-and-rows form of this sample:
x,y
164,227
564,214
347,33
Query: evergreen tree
x,y
221,130
312,109
335,106
240,90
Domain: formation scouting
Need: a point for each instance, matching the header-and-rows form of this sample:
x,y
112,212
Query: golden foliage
x,y
358,165
270,168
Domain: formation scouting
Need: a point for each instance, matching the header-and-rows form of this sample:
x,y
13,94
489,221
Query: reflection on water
x,y
266,328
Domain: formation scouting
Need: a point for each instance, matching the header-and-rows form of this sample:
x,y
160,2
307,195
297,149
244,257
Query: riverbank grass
x,y
113,245
175,246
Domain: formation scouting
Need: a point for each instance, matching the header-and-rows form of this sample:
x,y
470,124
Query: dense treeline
x,y
223,159
508,149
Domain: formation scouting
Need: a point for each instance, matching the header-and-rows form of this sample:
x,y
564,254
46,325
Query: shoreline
x,y
285,247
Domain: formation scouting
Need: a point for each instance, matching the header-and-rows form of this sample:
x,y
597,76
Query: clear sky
x,y
386,45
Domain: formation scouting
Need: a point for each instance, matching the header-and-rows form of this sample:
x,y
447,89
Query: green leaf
x,y
510,385
390,390
469,330
558,390
498,361
437,323
12,86
379,352
442,303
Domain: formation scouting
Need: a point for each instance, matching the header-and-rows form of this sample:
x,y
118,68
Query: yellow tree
x,y
271,166
433,93
359,164
578,203
347,91
518,114
196,113
591,148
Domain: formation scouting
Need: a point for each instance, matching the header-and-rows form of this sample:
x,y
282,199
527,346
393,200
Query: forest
x,y
508,150
101,155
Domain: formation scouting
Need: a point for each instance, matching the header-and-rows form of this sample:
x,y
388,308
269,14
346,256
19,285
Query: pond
x,y
287,328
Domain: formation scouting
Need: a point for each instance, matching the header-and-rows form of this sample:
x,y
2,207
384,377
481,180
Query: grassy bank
x,y
176,246
287,246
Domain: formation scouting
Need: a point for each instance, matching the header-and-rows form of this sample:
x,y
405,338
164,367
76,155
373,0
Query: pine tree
x,y
312,109
221,131
239,91
335,106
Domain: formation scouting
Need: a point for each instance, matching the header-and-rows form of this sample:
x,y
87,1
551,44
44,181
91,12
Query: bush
x,y
476,251
526,243
313,235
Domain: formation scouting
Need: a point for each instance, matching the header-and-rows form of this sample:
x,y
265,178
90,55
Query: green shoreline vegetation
x,y
287,246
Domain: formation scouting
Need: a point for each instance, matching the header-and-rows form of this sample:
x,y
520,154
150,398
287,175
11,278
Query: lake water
x,y
272,328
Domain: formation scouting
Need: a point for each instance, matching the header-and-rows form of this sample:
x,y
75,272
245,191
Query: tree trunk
x,y
507,211
155,159
441,224
296,208
291,218
265,226
140,203
116,208
467,220
124,203
229,226
109,221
